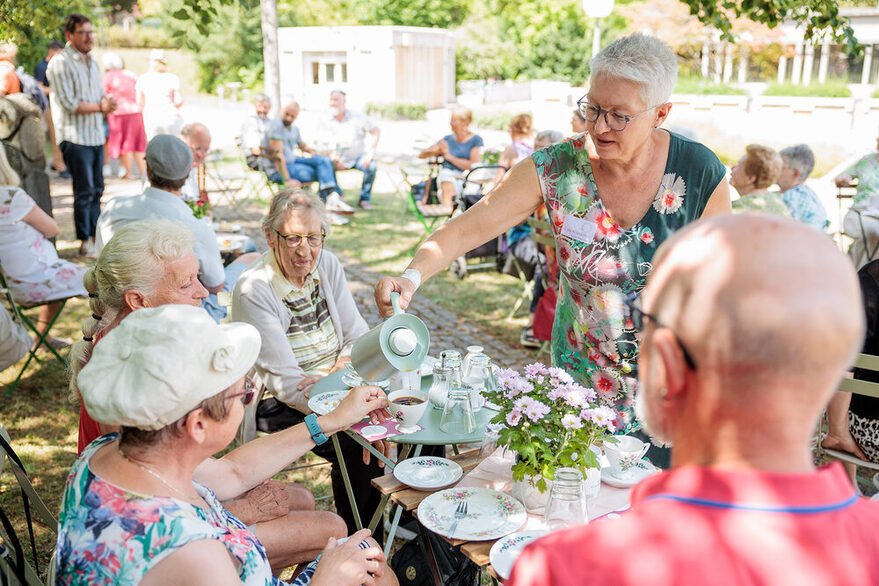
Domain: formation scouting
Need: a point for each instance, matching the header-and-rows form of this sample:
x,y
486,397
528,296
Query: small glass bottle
x,y
566,505
439,388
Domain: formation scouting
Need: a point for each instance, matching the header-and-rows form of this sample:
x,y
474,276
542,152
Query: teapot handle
x,y
395,302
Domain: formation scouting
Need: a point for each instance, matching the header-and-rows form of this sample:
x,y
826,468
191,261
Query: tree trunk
x,y
272,75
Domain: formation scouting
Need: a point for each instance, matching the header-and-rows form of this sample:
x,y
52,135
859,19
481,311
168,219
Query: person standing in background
x,y
78,105
127,138
158,94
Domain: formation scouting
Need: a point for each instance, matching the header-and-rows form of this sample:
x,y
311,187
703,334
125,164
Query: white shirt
x,y
348,135
152,204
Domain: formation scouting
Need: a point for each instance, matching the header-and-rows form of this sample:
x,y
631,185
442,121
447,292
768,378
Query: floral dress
x,y
109,535
33,270
601,263
866,171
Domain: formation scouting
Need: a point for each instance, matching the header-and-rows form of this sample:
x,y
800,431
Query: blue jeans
x,y
317,168
368,177
211,303
86,166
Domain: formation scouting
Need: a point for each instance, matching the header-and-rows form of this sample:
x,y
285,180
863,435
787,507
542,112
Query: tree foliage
x,y
428,13
31,24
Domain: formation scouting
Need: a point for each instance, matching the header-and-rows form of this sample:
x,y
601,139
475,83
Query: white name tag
x,y
579,229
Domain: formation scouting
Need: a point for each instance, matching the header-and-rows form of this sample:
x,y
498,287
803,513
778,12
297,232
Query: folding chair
x,y
236,188
414,178
13,564
857,387
16,310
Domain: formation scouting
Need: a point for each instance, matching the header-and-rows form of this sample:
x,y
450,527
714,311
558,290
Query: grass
x,y
43,424
703,87
835,89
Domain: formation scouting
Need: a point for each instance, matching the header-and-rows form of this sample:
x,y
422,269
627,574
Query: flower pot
x,y
527,493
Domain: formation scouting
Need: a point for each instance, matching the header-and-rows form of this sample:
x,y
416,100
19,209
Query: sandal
x,y
528,339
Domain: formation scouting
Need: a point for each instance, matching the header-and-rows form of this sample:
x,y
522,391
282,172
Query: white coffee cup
x,y
407,416
623,452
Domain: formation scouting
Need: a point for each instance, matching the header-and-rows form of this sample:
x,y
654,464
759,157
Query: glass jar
x,y
479,378
566,505
439,388
471,351
452,359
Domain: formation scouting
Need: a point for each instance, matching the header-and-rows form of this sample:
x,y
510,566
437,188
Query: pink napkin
x,y
373,432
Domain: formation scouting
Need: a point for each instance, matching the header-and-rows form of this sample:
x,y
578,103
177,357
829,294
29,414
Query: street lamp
x,y
597,9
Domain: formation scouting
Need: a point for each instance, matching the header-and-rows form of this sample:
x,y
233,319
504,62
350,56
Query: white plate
x,y
490,514
428,473
352,380
505,552
642,470
326,402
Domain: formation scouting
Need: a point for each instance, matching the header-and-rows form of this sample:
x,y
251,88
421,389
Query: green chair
x,y
16,309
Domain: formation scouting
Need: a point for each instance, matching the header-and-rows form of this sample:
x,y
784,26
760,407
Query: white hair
x,y
112,61
799,157
642,59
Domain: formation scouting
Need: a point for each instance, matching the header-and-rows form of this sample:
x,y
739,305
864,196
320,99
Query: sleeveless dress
x,y
109,535
601,263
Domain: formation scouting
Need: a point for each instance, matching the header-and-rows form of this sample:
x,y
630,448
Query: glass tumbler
x,y
490,440
457,416
566,505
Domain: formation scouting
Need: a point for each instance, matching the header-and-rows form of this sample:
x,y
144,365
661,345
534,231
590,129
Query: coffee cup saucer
x,y
642,470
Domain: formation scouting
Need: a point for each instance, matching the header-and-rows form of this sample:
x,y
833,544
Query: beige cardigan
x,y
256,302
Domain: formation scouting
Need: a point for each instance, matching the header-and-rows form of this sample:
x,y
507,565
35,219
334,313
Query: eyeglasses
x,y
614,120
633,303
247,394
293,240
84,33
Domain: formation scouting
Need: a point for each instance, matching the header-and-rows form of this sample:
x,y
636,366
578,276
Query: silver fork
x,y
460,513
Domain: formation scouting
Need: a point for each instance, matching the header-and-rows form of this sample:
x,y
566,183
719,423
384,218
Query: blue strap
x,y
314,429
758,508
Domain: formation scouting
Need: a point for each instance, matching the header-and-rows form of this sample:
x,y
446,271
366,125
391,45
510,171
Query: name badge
x,y
579,229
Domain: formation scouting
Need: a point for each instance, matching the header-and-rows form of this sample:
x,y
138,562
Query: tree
x,y
818,17
428,13
269,25
31,24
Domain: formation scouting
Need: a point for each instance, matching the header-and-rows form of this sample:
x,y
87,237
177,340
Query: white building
x,y
370,63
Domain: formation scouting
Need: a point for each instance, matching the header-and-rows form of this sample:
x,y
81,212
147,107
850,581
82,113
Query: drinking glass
x,y
566,505
479,378
471,351
490,440
457,416
452,359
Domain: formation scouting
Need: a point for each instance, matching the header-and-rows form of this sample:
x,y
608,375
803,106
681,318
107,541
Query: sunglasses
x,y
247,394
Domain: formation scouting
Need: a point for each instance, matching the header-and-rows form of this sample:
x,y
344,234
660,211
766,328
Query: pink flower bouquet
x,y
550,421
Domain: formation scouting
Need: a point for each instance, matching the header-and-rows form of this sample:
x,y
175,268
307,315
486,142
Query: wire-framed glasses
x,y
633,303
614,120
314,239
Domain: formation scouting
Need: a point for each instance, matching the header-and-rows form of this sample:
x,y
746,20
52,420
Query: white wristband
x,y
413,275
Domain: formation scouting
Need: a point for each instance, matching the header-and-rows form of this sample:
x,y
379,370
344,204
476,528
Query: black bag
x,y
418,192
412,568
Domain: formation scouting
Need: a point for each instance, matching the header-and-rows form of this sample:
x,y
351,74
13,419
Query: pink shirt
x,y
119,84
697,525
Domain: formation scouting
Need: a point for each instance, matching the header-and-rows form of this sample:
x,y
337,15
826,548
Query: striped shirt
x,y
310,333
74,80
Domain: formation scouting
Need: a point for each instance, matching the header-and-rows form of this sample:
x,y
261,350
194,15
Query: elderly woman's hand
x,y
358,404
388,285
307,383
347,564
340,364
843,180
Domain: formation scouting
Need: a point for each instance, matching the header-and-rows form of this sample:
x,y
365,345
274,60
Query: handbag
x,y
544,316
412,568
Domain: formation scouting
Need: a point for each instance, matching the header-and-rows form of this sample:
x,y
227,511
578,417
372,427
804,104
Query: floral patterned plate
x,y
490,514
353,380
505,551
428,473
642,470
326,402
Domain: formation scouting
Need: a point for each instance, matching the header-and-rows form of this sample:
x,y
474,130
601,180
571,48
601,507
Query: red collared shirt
x,y
708,526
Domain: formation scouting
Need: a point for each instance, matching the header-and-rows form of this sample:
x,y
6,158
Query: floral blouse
x,y
866,171
601,263
109,535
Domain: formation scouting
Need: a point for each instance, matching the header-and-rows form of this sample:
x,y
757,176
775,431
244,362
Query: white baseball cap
x,y
158,364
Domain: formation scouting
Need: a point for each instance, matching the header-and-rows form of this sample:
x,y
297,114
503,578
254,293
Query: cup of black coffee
x,y
407,407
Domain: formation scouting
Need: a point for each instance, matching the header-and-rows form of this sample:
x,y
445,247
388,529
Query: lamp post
x,y
597,9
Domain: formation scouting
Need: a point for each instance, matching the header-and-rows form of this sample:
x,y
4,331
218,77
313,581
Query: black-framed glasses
x,y
314,239
614,120
633,303
247,394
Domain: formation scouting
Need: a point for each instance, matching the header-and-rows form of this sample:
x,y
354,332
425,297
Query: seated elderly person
x,y
14,340
748,324
460,151
861,222
149,264
752,176
144,506
198,138
169,162
803,203
298,299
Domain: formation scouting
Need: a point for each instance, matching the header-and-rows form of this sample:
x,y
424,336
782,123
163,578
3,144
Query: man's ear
x,y
673,362
135,300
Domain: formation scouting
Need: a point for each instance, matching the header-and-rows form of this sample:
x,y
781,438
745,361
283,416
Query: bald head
x,y
761,302
289,113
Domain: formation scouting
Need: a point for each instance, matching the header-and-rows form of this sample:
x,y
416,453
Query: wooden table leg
x,y
431,556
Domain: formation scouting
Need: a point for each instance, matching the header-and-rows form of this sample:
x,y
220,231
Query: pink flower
x,y
646,236
536,369
571,421
606,385
513,417
531,408
607,228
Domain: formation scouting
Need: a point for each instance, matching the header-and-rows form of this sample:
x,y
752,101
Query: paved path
x,y
447,331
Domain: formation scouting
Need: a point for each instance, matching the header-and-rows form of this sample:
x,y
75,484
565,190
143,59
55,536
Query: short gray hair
x,y
549,137
261,98
290,200
642,59
112,61
799,157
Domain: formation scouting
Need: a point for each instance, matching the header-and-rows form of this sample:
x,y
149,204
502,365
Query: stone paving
x,y
447,331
